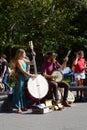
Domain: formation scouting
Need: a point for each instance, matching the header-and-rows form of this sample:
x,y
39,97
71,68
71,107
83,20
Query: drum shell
x,y
37,88
59,74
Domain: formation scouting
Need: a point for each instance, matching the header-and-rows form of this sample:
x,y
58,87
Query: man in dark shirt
x,y
5,72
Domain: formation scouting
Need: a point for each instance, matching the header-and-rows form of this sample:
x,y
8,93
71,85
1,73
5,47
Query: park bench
x,y
79,88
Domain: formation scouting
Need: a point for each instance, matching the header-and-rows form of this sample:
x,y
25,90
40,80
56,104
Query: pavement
x,y
73,118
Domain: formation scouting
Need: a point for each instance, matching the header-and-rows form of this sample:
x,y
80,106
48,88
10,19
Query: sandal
x,y
24,109
19,111
60,106
57,108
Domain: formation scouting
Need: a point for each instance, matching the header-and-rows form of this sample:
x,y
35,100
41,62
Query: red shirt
x,y
80,66
48,67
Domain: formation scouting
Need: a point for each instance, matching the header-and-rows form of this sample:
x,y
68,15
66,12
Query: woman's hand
x,y
32,62
33,53
66,59
34,75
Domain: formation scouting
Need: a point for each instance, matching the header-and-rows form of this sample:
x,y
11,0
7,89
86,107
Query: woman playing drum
x,y
50,65
22,74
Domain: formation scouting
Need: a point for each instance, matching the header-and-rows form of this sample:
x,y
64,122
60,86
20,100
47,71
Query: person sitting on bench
x,y
79,64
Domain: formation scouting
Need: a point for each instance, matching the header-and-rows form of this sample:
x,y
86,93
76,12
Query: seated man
x,y
48,67
68,73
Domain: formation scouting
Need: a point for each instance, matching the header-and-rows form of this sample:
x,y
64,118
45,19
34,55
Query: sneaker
x,y
59,105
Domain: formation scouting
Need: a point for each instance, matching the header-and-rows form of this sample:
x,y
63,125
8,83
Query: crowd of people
x,y
21,71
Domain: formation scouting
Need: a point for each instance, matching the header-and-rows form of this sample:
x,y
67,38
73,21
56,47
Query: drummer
x,y
21,74
49,65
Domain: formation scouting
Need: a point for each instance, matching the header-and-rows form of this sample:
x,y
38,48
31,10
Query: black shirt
x,y
5,63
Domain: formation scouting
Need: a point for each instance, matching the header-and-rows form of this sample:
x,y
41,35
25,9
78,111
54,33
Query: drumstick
x,y
68,53
65,60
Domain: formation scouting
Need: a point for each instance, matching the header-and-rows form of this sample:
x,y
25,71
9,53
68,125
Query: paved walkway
x,y
74,118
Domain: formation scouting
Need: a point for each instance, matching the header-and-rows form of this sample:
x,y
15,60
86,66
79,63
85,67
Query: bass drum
x,y
70,98
37,87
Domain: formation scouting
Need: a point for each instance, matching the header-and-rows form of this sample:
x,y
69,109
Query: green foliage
x,y
51,24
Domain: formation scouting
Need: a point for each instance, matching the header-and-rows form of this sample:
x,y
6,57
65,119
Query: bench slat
x,y
77,88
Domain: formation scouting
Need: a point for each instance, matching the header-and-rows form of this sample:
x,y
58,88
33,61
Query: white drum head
x,y
59,74
37,87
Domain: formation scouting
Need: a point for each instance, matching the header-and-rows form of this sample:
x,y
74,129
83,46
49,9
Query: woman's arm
x,y
75,61
19,65
28,62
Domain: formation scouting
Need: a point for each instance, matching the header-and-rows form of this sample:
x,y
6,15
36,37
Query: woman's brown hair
x,y
14,61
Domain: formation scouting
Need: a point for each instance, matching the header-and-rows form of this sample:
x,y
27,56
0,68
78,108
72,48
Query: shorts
x,y
80,75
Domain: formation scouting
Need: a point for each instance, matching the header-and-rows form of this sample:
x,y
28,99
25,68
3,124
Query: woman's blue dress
x,y
19,94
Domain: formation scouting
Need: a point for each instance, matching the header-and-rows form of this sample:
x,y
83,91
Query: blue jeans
x,y
4,81
70,75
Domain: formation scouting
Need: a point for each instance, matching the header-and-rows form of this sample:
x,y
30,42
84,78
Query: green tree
x,y
51,24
